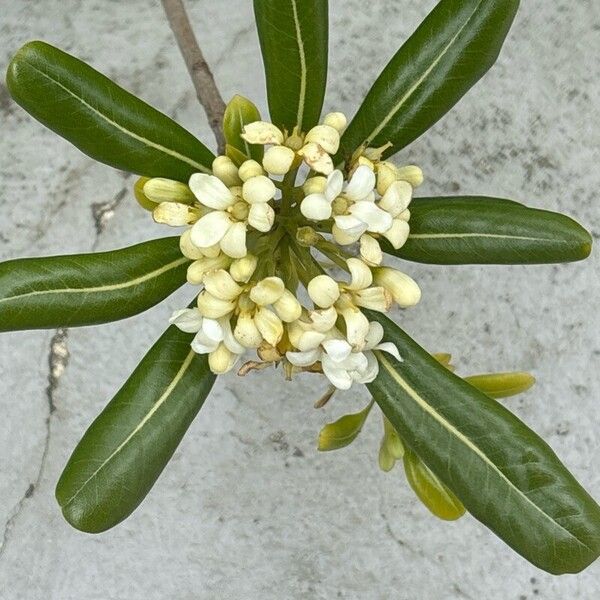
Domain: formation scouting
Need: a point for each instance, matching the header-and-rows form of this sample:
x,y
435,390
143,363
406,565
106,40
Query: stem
x,y
202,77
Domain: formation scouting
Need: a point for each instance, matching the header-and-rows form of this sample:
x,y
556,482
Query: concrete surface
x,y
248,509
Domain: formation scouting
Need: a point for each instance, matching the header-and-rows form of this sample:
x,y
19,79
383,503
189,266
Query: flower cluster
x,y
257,240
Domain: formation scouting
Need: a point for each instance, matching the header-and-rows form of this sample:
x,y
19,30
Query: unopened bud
x,y
278,160
199,268
387,173
225,169
175,214
261,132
287,307
315,185
307,236
404,289
269,325
212,307
370,250
159,189
397,197
242,269
138,192
249,169
240,210
325,136
323,291
267,291
187,247
246,332
257,190
337,120
374,298
412,174
221,285
221,360
261,216
316,158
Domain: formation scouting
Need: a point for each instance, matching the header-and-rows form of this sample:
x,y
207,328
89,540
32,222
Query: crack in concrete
x,y
58,360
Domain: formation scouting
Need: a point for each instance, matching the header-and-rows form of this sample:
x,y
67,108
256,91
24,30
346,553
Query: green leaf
x,y
478,230
293,39
501,385
86,289
344,431
430,490
504,474
126,448
450,51
239,112
102,119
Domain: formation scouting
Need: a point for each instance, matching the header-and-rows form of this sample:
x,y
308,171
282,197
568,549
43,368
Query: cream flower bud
x,y
159,189
316,207
258,190
287,307
322,320
246,332
269,325
242,269
212,307
375,298
249,169
387,173
187,247
221,360
199,268
397,234
396,198
315,185
412,174
221,285
323,290
226,170
357,325
261,217
175,214
337,120
404,215
261,132
316,158
267,291
404,289
370,250
325,136
360,274
278,160
233,243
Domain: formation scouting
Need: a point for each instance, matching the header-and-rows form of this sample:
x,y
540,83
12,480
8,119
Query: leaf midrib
x,y
132,134
412,393
163,398
103,288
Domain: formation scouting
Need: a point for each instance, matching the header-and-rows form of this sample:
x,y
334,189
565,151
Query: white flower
x,y
317,205
340,364
226,224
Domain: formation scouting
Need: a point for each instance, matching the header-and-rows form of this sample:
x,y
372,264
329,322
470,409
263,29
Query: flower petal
x,y
397,234
211,191
316,158
361,184
210,229
316,207
397,198
303,359
340,378
233,242
377,219
374,336
261,217
361,276
188,320
337,350
335,184
390,348
350,224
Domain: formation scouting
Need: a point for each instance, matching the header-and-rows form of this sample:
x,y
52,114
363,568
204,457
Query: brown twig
x,y
202,77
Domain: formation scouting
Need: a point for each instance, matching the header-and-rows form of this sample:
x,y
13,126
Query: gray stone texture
x,y
248,508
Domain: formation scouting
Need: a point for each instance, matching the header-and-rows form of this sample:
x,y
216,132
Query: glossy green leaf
x,y
430,490
344,431
126,448
478,230
293,39
102,119
239,112
86,289
449,52
501,385
504,474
